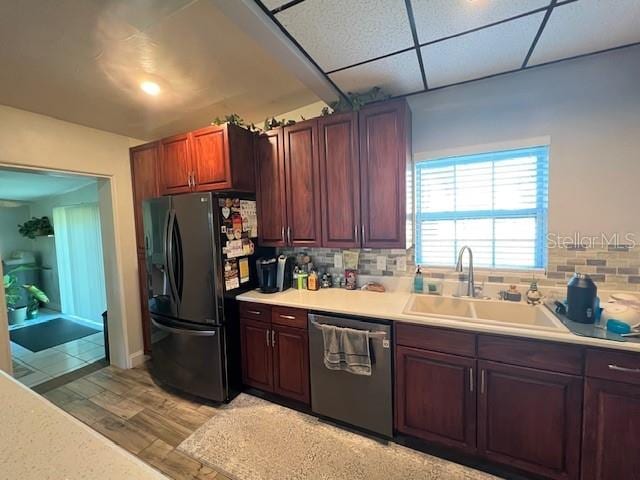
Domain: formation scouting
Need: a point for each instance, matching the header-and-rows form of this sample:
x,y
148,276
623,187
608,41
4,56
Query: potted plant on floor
x,y
18,314
15,314
36,297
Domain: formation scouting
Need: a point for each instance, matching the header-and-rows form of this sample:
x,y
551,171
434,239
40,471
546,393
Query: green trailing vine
x,y
235,119
355,101
271,123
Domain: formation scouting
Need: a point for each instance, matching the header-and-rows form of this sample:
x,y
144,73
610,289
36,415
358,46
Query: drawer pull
x,y
288,317
624,369
254,312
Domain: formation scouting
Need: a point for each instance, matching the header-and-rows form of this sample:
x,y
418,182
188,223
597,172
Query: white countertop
x,y
390,305
40,441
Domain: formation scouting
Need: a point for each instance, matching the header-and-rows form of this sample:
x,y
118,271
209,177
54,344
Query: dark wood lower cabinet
x,y
257,360
291,363
436,397
611,441
530,419
275,357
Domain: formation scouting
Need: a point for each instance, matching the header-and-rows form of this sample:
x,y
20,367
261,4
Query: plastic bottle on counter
x,y
313,283
302,280
418,281
296,272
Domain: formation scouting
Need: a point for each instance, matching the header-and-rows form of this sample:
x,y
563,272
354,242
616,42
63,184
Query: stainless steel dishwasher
x,y
365,402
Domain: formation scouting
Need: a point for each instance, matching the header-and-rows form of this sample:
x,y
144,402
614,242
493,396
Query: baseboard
x,y
136,359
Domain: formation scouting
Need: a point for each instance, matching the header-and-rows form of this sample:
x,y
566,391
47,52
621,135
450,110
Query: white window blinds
x,y
496,203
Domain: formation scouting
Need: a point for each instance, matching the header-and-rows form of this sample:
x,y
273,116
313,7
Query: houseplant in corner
x,y
15,314
18,314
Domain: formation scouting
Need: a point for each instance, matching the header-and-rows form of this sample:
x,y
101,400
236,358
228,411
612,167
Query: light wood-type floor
x,y
127,407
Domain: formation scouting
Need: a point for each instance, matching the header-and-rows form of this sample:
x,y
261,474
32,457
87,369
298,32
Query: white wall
x,y
28,139
46,247
590,109
10,239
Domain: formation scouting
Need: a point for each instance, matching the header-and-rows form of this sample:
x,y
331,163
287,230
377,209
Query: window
x,y
496,203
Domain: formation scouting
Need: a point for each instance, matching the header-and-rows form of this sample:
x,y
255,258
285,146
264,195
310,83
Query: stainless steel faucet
x,y
471,288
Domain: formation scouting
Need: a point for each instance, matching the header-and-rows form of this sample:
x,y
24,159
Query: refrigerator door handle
x,y
181,331
170,260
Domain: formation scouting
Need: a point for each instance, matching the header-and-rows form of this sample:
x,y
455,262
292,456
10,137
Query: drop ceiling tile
x,y
437,19
339,33
271,4
486,52
396,75
587,26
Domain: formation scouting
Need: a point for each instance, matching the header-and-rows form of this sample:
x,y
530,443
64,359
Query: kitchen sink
x,y
517,314
430,305
508,314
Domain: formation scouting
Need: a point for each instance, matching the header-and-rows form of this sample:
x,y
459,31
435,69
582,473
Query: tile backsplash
x,y
613,268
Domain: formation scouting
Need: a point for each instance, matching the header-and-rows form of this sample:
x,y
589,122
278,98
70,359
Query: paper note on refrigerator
x,y
249,217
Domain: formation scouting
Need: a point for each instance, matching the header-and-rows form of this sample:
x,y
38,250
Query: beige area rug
x,y
251,439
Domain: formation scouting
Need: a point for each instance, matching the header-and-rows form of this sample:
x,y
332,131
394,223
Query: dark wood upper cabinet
x,y
436,397
385,156
176,166
530,419
339,180
611,436
144,178
257,362
291,363
302,173
270,182
211,159
218,157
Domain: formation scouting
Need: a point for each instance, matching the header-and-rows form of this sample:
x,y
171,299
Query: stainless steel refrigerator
x,y
200,253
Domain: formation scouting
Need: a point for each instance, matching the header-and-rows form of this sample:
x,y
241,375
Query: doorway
x,y
54,280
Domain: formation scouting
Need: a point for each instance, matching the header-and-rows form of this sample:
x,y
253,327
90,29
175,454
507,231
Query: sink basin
x,y
508,314
517,315
449,306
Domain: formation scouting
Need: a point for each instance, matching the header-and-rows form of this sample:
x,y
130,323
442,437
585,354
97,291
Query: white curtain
x,y
80,266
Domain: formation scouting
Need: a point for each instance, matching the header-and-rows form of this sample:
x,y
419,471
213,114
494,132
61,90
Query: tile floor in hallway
x,y
127,407
33,368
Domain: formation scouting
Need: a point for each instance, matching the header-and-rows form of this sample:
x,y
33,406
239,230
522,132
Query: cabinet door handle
x,y
624,369
282,234
189,179
273,338
289,235
471,379
482,375
355,232
254,312
267,332
362,230
288,317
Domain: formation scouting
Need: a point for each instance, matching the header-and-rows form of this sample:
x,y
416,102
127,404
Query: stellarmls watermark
x,y
611,241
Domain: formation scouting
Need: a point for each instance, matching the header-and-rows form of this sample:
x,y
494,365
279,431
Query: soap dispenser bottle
x,y
418,281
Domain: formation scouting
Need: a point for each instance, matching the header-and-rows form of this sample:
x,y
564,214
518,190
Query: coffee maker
x,y
275,274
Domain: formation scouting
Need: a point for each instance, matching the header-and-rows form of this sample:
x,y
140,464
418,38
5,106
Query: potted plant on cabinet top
x,y
36,227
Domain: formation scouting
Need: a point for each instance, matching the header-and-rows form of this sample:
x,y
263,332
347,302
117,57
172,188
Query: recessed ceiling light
x,y
150,88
